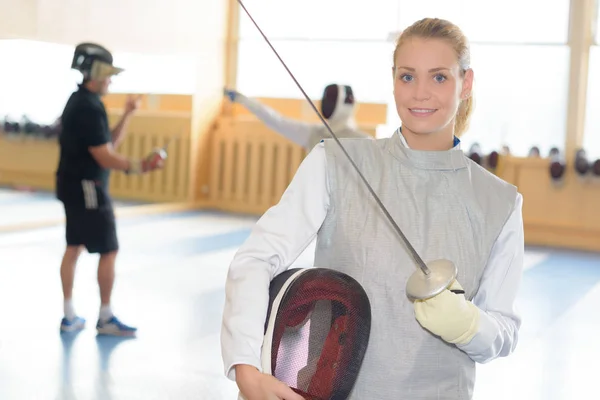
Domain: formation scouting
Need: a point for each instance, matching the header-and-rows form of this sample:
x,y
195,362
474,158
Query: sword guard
x,y
422,287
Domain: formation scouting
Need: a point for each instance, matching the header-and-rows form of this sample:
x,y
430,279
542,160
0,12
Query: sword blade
x,y
421,264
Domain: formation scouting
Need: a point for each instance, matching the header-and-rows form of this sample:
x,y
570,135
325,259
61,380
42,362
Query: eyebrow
x,y
431,70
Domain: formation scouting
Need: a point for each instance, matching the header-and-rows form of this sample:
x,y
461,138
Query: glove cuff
x,y
468,335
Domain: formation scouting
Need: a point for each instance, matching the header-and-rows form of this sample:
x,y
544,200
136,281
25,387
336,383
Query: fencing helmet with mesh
x,y
94,61
316,332
338,104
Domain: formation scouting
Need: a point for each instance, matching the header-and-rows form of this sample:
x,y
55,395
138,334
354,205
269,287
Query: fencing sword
x,y
430,279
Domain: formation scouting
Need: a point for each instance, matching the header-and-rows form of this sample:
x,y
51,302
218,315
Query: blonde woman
x,y
448,206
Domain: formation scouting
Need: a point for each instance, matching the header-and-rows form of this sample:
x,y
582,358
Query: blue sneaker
x,y
72,325
114,327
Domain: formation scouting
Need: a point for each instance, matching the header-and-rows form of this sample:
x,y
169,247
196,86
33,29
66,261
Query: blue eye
x,y
406,77
440,78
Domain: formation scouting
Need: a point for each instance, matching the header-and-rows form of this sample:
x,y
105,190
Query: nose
x,y
421,92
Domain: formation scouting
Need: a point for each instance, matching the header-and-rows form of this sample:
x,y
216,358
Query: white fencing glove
x,y
449,316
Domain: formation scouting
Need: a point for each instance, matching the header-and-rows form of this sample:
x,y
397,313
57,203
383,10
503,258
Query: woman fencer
x,y
337,107
448,207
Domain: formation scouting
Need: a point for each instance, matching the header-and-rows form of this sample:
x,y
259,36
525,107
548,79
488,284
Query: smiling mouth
x,y
422,112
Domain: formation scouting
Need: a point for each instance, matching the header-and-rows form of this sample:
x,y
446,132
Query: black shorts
x,y
90,217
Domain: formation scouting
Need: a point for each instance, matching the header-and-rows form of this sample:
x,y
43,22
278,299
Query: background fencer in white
x,y
286,229
307,134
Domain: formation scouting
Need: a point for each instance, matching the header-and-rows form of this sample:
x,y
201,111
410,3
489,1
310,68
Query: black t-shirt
x,y
84,124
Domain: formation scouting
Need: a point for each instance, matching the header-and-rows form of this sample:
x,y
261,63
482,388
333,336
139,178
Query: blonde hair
x,y
435,28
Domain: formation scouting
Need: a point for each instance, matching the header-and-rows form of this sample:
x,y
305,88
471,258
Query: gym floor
x,y
170,279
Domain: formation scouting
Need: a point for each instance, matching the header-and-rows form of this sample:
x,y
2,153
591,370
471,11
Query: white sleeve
x,y
499,319
276,241
298,132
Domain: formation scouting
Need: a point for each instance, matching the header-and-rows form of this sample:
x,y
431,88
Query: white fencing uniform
x,y
337,106
448,207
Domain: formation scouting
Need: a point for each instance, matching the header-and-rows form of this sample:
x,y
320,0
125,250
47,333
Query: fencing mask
x,y
316,333
94,61
337,104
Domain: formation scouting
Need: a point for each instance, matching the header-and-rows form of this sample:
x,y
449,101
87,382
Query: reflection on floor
x,y
170,285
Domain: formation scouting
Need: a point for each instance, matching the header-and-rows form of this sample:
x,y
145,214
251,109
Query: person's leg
x,y
106,280
67,276
71,321
106,243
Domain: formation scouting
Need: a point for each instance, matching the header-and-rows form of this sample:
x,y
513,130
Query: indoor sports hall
x,y
202,90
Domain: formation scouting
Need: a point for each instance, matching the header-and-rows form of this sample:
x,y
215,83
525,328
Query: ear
x,y
467,87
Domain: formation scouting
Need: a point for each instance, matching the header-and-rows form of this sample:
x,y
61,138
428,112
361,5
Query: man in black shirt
x,y
87,154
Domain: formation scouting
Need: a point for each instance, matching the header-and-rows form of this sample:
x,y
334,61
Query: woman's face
x,y
429,86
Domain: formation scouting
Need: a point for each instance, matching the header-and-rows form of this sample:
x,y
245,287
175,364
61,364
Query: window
x,y
164,74
38,81
597,27
375,19
591,138
521,97
517,102
507,21
318,19
365,66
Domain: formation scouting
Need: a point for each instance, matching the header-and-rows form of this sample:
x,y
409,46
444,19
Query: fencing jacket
x,y
448,207
306,134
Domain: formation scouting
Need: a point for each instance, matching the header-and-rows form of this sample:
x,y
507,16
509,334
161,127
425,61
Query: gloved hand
x,y
232,94
449,316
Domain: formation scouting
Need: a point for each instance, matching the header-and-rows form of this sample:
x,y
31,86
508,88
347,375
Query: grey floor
x,y
170,281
